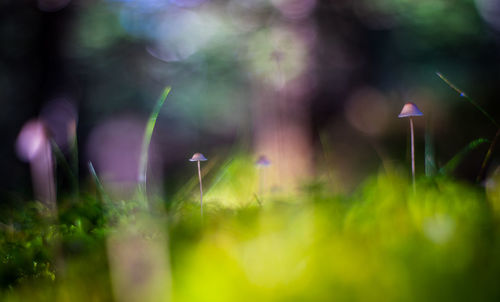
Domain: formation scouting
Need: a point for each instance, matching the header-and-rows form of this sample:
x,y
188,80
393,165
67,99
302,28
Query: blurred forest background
x,y
324,79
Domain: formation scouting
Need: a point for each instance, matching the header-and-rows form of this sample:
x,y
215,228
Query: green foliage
x,y
457,159
380,242
148,133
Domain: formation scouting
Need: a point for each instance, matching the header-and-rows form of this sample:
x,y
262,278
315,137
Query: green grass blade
x,y
98,183
60,159
74,166
148,133
457,159
466,97
326,151
70,171
487,157
430,160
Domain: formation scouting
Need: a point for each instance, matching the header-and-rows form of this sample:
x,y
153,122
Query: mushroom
x,y
199,157
411,110
261,163
33,146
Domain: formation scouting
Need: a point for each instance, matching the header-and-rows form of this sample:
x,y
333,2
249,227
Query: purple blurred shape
x,y
31,140
295,9
114,147
490,12
263,161
60,117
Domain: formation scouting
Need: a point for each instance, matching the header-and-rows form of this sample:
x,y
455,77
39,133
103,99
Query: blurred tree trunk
x,y
281,113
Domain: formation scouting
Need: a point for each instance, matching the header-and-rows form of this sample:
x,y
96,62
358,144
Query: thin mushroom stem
x,y
411,110
412,153
201,189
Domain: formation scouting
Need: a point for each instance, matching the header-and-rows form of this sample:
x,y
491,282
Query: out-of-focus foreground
x,y
381,243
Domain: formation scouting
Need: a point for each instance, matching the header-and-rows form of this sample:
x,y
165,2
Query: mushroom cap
x,y
410,109
263,161
197,157
32,140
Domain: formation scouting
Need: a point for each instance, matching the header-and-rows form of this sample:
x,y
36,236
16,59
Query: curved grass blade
x,y
74,166
487,157
467,98
98,183
148,133
453,163
430,159
60,159
493,143
71,170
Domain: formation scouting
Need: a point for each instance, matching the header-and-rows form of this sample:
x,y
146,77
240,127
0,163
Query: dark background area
x,y
96,54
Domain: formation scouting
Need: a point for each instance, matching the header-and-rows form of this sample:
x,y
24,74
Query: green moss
x,y
382,242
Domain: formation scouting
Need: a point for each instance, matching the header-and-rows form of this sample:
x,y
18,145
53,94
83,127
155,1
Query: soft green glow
x,y
381,242
235,184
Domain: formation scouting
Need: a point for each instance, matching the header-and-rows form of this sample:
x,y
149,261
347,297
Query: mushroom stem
x,y
412,153
201,189
42,173
199,157
411,110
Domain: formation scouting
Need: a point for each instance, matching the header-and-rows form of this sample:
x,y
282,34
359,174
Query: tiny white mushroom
x,y
411,110
198,157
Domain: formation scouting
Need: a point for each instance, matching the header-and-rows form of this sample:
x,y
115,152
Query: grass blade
x,y
466,97
148,133
74,166
430,160
493,143
487,157
457,159
98,183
